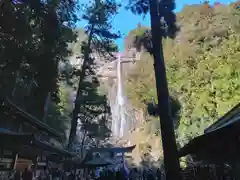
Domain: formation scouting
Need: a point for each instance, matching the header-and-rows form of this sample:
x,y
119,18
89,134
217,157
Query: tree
x,y
33,42
100,40
201,67
162,24
93,116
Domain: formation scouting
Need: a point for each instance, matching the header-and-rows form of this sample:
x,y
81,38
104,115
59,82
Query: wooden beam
x,y
34,121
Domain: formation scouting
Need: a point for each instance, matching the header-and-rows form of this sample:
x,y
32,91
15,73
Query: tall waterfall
x,y
122,117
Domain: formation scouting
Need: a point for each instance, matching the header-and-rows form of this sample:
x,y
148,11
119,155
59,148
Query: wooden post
x,y
15,161
46,107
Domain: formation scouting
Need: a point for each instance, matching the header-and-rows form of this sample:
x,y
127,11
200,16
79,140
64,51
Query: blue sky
x,y
125,21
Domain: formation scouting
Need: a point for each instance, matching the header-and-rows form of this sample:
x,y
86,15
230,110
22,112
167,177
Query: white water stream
x,y
123,119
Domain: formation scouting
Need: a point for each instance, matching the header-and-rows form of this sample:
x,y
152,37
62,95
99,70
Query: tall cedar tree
x,y
162,24
34,31
100,40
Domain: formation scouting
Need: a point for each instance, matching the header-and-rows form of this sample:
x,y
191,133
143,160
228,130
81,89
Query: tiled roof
x,y
34,121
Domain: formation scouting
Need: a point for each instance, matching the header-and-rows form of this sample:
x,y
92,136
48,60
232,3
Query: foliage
x,y
34,31
93,115
100,41
140,84
202,67
167,17
93,109
152,127
99,17
75,46
130,39
58,115
34,38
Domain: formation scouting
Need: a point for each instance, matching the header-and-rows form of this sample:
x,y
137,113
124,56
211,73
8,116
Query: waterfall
x,y
122,118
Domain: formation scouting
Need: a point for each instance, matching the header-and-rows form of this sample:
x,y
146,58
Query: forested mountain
x,y
37,40
203,68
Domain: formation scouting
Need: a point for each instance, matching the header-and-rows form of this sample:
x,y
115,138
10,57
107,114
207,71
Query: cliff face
x,y
106,71
107,75
139,134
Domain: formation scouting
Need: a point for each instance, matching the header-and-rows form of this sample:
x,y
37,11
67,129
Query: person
x,y
54,174
58,174
11,175
65,176
71,176
150,175
159,174
44,173
78,175
17,175
120,175
101,175
27,174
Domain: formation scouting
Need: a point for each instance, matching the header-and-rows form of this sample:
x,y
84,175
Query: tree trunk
x,y
171,160
82,144
77,103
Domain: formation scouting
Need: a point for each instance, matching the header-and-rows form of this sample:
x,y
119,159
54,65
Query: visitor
x,y
133,174
27,174
150,175
56,175
159,174
65,176
71,176
44,175
11,175
17,175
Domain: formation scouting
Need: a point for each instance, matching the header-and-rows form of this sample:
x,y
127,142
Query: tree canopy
x,y
100,41
34,38
202,67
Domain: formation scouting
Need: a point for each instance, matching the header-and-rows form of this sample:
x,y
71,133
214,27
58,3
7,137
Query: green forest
x,y
40,39
203,68
40,43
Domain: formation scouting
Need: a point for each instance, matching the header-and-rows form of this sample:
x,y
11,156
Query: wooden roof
x,y
221,143
26,142
114,149
206,140
33,120
97,162
226,126
230,117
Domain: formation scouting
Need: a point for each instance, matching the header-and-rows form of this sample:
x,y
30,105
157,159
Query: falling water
x,y
122,119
